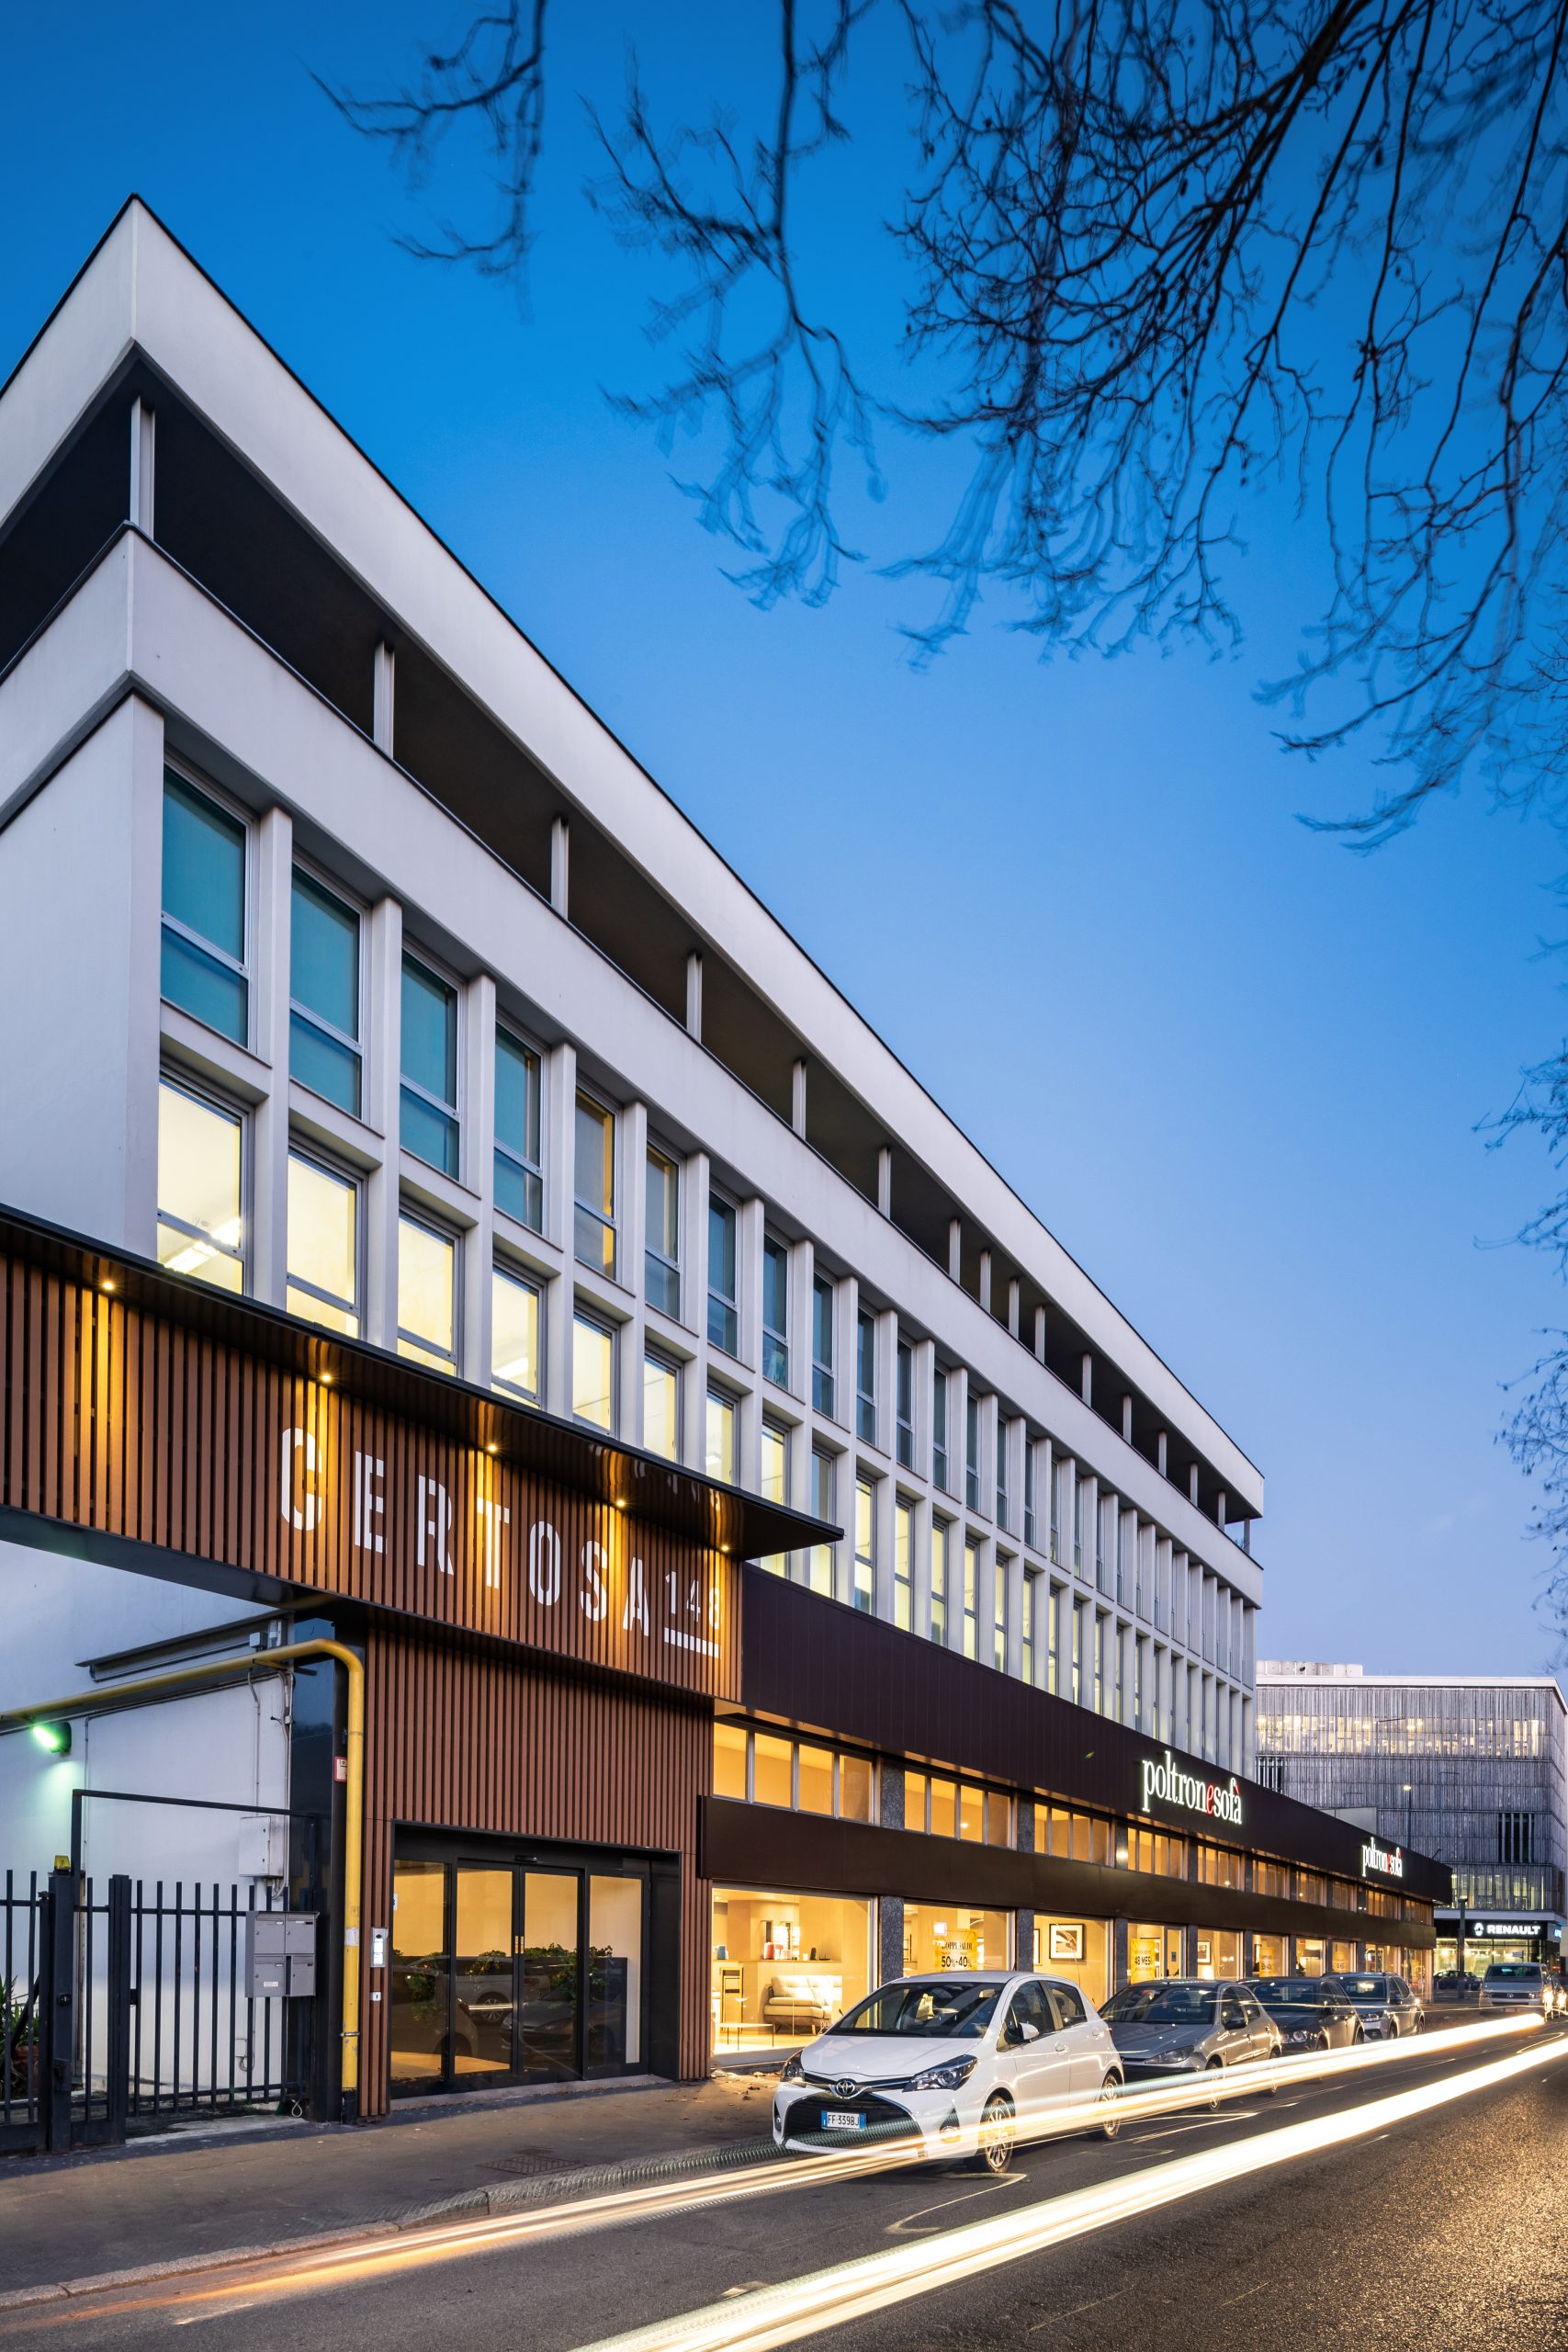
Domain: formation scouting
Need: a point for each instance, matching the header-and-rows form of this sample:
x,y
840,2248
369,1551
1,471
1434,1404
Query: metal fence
x,y
22,1917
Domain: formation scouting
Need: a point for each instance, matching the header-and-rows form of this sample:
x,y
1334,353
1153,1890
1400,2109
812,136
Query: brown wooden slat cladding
x,y
120,1421
459,1737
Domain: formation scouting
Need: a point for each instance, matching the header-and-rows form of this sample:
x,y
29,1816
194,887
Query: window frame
x,y
775,1337
245,820
824,1390
941,1394
906,1522
609,1225
607,1329
449,1112
865,1399
862,1588
298,1011
418,1215
904,1396
310,1156
531,1173
772,1428
717,1395
724,1308
655,1155
505,1269
821,1555
182,1081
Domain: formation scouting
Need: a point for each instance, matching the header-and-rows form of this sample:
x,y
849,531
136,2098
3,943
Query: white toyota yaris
x,y
953,2064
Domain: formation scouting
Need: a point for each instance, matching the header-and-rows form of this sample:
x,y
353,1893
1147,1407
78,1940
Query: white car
x,y
952,2063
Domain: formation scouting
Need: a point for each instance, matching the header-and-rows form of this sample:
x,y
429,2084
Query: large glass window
x,y
904,1564
324,992
1002,1589
203,961
515,1317
594,1180
864,1594
784,1966
662,1256
592,1371
661,1406
952,1936
971,1597
720,1449
201,1228
822,1345
941,1555
1029,1627
427,1295
774,1484
323,1246
775,1312
724,1318
428,1113
866,1377
905,1403
823,1480
1078,1949
519,1167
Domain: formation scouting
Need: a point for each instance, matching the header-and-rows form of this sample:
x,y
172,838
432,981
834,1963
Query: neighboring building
x,y
476,1227
1471,1767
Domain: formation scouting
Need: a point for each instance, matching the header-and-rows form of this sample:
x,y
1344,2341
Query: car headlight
x,y
944,2078
1301,2033
792,2070
1173,2058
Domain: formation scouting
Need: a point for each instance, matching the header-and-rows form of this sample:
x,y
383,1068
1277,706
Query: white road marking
x,y
1008,2181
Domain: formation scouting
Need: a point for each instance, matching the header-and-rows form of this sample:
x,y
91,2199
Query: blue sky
x,y
1234,1068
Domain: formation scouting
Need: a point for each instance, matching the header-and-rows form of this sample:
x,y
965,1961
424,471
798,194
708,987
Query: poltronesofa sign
x,y
1381,1862
1165,1782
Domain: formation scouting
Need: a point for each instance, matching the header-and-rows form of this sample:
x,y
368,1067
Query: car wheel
x,y
1110,2110
1271,2090
1358,2037
1214,2066
999,2130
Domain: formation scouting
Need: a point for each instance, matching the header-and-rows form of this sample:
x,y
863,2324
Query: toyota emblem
x,y
844,2089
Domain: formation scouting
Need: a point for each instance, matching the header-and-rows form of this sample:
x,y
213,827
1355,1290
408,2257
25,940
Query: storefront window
x,y
815,1779
1219,1952
792,1773
785,1967
1153,1952
770,1770
729,1761
950,1934
1268,1956
1078,1949
1344,1956
1310,1960
1074,1836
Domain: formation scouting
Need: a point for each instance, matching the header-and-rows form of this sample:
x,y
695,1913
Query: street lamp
x,y
1409,1806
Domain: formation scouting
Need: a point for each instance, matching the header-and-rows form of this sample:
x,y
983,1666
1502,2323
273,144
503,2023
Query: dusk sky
x,y
1237,1070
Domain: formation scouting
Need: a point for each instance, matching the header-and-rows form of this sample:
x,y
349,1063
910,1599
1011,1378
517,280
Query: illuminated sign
x,y
1386,1861
1523,1927
1220,1800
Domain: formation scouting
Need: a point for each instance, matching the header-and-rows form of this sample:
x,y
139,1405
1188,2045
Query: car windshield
x,y
1526,1971
955,2009
1304,1989
1365,1988
1162,2005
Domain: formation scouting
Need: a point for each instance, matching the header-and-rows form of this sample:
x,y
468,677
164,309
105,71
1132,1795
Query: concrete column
x,y
694,993
1086,1378
797,1098
1162,1453
954,1246
885,1180
560,867
1119,1958
383,1050
1040,1333
1127,1420
269,1043
383,699
985,1281
1015,1296
141,507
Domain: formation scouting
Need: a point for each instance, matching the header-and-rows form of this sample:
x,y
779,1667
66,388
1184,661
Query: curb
x,y
476,2204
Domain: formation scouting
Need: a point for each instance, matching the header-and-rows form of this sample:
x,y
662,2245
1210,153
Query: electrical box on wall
x,y
280,1955
264,1846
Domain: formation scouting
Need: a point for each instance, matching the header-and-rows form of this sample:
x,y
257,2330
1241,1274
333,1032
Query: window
x,y
324,985
904,1565
203,956
775,1464
1026,1629
519,1165
938,1430
814,1779
791,1773
865,1595
592,1371
941,1549
1001,1585
428,1121
323,1246
866,1377
1516,1837
822,1483
724,1319
822,1345
1004,1511
515,1313
906,1404
730,1743
661,1406
427,1295
972,1451
772,1769
201,1228
718,1458
662,1256
1031,1531
593,1186
971,1597
775,1312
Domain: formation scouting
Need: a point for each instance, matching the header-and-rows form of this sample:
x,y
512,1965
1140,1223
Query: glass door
x,y
614,2023
551,1900
419,1986
485,2005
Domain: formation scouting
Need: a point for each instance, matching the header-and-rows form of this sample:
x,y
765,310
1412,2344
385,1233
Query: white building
x,y
349,961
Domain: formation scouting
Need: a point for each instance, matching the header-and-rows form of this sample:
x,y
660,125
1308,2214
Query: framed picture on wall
x,y
1065,1942
1205,1951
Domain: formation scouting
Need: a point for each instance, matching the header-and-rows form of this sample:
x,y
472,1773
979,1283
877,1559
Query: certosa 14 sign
x,y
1165,1782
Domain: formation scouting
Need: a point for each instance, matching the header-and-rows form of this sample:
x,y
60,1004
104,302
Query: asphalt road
x,y
1448,2229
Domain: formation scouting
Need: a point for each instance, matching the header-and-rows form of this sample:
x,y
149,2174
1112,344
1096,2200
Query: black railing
x,y
22,2010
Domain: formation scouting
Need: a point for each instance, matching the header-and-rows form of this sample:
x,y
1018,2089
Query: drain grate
x,y
520,2166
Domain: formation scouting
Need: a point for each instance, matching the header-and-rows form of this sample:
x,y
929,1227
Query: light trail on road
x,y
773,2316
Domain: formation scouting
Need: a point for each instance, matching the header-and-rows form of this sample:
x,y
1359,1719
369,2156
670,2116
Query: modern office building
x,y
449,1218
1471,1767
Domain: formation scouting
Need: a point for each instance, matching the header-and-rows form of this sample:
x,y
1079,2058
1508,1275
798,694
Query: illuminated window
x,y
823,1481
592,1371
323,990
904,1565
1002,1589
661,1406
428,1102
661,1271
1026,1629
427,1295
971,1597
519,1169
941,1554
729,1746
865,1544
200,1159
515,1315
203,956
719,1445
323,1246
775,1463
593,1185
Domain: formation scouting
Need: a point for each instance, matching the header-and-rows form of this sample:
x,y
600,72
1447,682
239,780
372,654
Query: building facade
x,y
392,1047
1473,1769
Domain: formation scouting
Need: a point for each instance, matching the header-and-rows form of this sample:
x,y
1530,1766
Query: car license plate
x,y
832,2121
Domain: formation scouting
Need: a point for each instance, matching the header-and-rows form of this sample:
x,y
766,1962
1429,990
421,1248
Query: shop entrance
x,y
504,1971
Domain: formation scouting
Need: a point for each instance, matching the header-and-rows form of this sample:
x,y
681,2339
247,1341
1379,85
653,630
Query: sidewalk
x,y
188,2195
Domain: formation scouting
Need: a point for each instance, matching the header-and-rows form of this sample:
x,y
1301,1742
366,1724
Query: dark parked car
x,y
1185,2025
1311,2012
1386,2005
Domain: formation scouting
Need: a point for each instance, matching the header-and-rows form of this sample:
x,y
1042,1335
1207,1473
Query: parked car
x,y
1187,2025
1386,2005
1311,2012
952,2063
1516,1985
